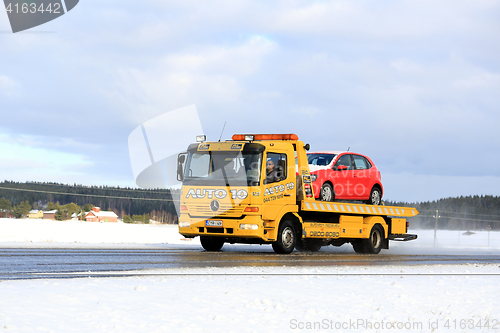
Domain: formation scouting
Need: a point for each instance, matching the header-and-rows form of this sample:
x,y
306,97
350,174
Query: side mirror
x,y
341,168
180,166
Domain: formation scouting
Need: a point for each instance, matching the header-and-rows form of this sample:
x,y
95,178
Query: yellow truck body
x,y
227,197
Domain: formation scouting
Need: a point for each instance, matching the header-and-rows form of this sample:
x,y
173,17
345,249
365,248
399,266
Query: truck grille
x,y
215,230
225,210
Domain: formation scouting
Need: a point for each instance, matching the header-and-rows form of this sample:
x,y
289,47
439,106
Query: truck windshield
x,y
223,168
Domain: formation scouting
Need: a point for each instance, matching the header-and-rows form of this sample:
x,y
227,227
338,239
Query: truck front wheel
x,y
286,238
210,243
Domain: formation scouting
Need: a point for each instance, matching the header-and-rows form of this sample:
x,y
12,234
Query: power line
x,y
460,218
101,188
86,195
433,210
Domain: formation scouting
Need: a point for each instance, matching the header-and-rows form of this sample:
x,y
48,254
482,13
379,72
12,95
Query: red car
x,y
345,176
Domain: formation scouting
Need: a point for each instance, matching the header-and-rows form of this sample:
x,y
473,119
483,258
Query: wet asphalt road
x,y
71,263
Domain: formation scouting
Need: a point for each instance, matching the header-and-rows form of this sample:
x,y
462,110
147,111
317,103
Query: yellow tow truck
x,y
230,194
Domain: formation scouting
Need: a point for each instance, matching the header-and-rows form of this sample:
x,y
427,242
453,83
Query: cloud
x,y
413,85
20,159
390,19
203,75
308,111
480,80
8,87
405,186
407,66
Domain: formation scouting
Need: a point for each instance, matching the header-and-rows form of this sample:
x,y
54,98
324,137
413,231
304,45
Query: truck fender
x,y
297,222
372,220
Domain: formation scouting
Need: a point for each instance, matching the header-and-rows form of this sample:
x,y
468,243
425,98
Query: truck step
x,y
402,238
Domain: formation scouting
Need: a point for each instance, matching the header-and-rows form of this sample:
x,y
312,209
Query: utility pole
x,y
435,228
489,228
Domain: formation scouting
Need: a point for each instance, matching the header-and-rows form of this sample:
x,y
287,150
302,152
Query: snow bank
x,y
457,242
48,231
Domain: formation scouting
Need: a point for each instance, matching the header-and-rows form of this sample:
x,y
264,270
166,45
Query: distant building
x,y
96,215
50,214
35,214
3,213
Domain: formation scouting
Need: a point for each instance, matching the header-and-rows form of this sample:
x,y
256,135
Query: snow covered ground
x,y
429,298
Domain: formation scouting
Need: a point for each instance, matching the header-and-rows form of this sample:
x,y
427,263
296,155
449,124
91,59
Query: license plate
x,y
213,223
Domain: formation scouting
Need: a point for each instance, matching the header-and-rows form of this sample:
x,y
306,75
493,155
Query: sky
x,y
412,84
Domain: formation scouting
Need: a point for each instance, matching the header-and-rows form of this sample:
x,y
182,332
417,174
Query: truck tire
x,y
210,243
375,242
309,245
375,197
326,193
358,246
287,238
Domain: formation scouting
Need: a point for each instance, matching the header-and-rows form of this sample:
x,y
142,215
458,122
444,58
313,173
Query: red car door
x,y
342,177
362,177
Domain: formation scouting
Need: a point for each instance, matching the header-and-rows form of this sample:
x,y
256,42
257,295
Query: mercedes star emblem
x,y
214,205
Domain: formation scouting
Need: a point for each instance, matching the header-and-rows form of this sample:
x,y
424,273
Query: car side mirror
x,y
341,168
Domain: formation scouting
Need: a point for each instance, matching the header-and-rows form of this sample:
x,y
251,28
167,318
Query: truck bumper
x,y
246,227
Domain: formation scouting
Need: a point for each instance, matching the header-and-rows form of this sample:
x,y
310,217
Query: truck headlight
x,y
247,226
184,224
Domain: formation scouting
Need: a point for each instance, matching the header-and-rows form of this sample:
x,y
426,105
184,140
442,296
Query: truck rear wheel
x,y
210,243
376,240
286,238
309,245
373,244
358,246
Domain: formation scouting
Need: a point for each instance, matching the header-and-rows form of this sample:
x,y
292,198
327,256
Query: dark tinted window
x,y
344,160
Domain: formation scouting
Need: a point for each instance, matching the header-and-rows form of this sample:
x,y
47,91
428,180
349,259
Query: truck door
x,y
279,184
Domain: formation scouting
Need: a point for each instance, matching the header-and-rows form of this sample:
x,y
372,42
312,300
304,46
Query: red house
x,y
96,215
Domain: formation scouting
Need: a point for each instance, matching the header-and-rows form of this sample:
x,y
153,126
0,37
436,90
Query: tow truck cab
x,y
225,190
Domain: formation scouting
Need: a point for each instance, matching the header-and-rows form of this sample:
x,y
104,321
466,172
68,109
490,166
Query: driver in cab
x,y
271,172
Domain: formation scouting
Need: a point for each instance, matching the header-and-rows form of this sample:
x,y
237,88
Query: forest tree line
x,y
19,198
460,213
469,212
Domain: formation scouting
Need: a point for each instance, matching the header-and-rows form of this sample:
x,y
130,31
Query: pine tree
x,y
5,207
